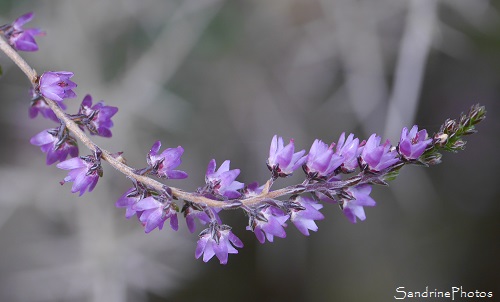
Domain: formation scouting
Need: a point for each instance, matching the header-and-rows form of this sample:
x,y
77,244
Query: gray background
x,y
220,78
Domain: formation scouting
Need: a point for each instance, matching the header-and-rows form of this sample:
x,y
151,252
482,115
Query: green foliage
x,y
449,137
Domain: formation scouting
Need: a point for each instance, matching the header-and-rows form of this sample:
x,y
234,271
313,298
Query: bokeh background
x,y
221,78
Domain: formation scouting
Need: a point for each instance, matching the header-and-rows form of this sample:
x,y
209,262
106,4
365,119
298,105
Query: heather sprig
x,y
342,173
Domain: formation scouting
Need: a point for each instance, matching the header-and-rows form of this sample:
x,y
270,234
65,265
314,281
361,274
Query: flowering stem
x,y
451,130
117,164
106,155
329,172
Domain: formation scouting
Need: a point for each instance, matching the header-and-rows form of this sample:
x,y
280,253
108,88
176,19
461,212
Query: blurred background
x,y
220,78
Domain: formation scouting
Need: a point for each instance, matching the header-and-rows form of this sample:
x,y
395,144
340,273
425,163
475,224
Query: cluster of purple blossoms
x,y
58,143
327,168
324,167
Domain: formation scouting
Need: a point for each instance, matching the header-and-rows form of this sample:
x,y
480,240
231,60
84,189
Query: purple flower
x,y
267,223
360,197
349,149
304,219
56,85
222,182
128,200
38,105
282,160
19,38
413,144
217,240
98,117
57,147
154,213
378,157
321,161
163,165
192,211
84,172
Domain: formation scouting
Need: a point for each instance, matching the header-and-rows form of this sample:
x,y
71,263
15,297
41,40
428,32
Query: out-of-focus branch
x,y
167,53
415,46
360,55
